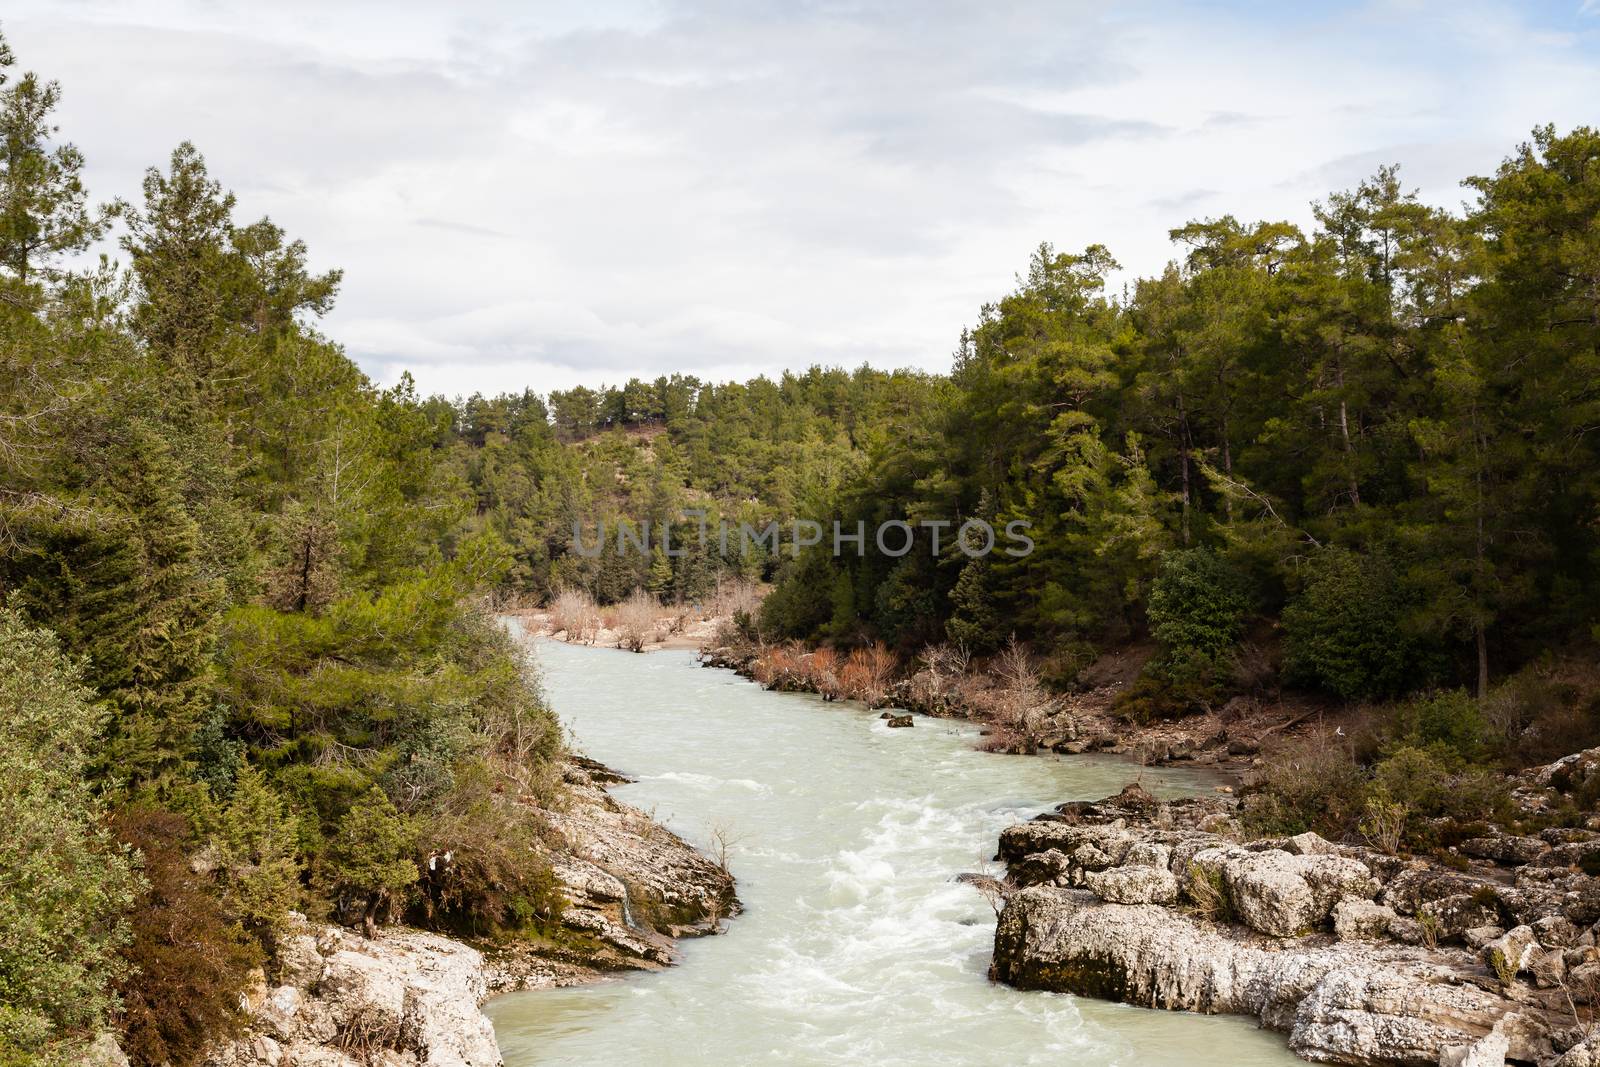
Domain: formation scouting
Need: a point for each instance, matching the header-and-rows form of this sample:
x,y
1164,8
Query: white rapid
x,y
856,945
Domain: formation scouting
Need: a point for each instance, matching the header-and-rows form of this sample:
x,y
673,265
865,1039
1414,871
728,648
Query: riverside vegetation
x,y
247,681
245,669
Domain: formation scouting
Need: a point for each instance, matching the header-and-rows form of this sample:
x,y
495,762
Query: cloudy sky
x,y
551,193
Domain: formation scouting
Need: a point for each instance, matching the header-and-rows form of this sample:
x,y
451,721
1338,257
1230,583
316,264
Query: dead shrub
x,y
636,620
866,674
188,963
822,673
1020,703
736,596
573,612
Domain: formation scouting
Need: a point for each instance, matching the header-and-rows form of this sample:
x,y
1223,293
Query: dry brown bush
x,y
1019,703
636,620
940,682
866,674
822,668
573,612
735,595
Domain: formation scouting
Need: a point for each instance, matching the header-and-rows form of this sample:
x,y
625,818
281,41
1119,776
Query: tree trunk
x,y
1344,432
1183,460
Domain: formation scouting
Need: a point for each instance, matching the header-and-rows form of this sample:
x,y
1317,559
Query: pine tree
x,y
44,210
974,623
369,856
255,843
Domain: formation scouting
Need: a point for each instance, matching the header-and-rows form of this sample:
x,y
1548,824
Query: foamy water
x,y
856,945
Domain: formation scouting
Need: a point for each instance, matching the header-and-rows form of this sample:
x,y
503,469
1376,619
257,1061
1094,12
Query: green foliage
x,y
369,855
1344,629
1431,782
1451,720
254,840
66,885
974,622
1197,609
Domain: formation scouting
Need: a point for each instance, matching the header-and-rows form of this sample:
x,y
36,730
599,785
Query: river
x,y
856,946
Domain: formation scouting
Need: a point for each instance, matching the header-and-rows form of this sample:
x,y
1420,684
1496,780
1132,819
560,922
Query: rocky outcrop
x,y
403,998
1340,1002
1361,957
411,999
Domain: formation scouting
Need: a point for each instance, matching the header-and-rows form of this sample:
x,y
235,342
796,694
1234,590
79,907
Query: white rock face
x,y
1281,893
1361,920
1346,1002
412,997
1134,885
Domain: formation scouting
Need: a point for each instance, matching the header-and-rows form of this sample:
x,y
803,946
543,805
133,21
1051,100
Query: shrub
x,y
636,620
187,963
1197,609
573,613
1020,702
254,842
483,868
1452,719
1432,782
1156,695
1343,630
822,673
1311,783
65,885
865,675
369,858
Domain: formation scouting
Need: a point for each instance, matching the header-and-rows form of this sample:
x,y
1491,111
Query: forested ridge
x,y
1377,438
246,664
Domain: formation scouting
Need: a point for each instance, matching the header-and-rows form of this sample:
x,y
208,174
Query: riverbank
x,y
1020,715
631,890
1360,956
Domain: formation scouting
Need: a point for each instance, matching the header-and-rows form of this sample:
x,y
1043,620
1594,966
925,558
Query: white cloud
x,y
540,195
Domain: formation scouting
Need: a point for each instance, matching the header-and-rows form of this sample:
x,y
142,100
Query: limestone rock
x,y
105,1052
1504,848
1361,920
1346,1002
1283,894
1585,1053
1509,954
1134,885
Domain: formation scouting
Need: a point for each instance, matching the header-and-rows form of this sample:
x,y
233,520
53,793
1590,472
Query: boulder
x,y
1508,849
1134,885
1361,920
1309,844
1149,854
298,962
1548,967
278,1014
1040,867
104,1051
900,721
1284,894
1488,1051
1509,954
